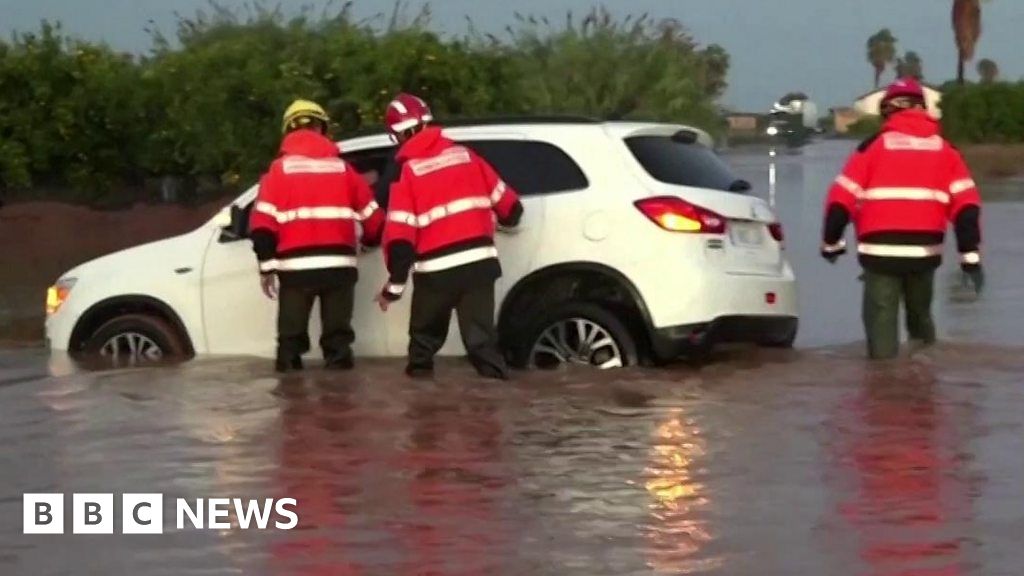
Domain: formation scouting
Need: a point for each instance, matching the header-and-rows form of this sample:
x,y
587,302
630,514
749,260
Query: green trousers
x,y
882,295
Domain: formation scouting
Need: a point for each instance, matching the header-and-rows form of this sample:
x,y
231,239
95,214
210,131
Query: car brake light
x,y
678,215
776,229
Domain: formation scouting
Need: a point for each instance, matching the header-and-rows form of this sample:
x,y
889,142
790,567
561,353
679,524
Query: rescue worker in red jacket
x,y
303,228
441,222
901,188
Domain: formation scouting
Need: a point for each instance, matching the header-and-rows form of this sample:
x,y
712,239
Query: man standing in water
x,y
440,225
304,233
900,188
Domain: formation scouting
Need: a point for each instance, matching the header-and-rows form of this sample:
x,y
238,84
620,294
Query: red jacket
x,y
901,188
442,209
308,205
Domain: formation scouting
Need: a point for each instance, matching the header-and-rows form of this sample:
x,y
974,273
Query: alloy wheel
x,y
576,341
130,349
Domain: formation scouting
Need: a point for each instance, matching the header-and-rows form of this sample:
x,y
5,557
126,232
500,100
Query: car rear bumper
x,y
669,343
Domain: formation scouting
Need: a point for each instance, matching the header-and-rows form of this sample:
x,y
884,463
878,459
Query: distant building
x,y
870,104
843,118
742,123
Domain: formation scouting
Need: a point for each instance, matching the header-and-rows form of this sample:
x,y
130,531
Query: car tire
x,y
152,339
608,343
783,340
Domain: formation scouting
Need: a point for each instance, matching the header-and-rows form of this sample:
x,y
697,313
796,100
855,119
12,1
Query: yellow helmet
x,y
301,113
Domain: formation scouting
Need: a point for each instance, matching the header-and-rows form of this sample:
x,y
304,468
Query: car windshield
x,y
679,159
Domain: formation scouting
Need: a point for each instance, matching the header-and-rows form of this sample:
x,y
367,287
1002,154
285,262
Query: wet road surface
x,y
760,463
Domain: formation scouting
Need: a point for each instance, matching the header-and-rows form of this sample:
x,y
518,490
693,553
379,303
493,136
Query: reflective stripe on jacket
x,y
901,188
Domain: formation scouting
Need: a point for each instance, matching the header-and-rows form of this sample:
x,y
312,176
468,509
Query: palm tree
x,y
967,30
910,65
988,70
881,52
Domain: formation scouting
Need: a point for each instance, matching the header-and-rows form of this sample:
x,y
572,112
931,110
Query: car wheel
x,y
580,334
135,340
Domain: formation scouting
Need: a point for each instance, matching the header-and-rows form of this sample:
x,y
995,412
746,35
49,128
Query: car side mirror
x,y
233,223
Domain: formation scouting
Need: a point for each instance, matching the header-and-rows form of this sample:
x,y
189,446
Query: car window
x,y
530,167
377,166
680,160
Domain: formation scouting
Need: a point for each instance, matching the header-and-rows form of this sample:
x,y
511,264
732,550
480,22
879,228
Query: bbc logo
x,y
93,514
144,513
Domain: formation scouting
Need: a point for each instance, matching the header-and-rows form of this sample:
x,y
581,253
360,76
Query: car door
x,y
240,319
237,317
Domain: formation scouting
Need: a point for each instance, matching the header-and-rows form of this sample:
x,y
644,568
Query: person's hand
x,y
974,277
832,252
382,302
268,283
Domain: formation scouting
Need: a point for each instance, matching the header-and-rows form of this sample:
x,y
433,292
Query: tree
x,y
910,65
881,52
967,31
988,70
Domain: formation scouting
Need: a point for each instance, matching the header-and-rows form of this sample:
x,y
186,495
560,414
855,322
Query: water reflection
x,y
678,529
320,463
907,497
453,462
790,463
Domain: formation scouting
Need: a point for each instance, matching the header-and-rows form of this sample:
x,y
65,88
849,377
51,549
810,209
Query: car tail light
x,y
776,229
678,215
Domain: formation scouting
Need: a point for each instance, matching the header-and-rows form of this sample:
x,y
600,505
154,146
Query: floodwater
x,y
811,461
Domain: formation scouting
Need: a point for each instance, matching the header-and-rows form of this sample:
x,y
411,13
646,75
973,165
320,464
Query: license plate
x,y
746,233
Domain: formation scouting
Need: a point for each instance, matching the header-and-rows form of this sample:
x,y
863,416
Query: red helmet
x,y
406,112
904,87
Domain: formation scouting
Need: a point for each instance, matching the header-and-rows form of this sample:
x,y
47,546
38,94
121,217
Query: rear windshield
x,y
675,160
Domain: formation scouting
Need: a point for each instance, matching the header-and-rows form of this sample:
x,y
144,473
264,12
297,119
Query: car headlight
x,y
57,294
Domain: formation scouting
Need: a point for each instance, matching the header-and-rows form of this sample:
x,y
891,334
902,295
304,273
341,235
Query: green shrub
x,y
984,113
866,126
90,125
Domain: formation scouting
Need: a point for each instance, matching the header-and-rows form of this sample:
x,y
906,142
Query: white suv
x,y
637,243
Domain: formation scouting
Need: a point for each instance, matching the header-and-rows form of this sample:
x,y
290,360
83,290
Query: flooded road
x,y
760,463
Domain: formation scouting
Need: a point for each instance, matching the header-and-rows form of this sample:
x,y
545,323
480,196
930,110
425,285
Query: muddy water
x,y
761,463
785,463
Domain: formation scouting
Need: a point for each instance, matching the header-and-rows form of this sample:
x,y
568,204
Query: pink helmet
x,y
904,87
405,112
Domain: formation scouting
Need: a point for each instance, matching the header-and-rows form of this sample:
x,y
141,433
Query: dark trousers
x,y
882,295
295,303
433,302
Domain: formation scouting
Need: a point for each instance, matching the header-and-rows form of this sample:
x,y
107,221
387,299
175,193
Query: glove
x,y
832,252
974,277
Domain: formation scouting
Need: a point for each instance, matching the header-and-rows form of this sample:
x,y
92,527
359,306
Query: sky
x,y
815,46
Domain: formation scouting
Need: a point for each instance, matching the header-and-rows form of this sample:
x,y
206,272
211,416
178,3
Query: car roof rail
x,y
469,121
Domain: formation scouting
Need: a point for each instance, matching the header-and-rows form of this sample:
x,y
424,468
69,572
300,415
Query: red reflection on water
x,y
907,498
455,478
319,466
412,493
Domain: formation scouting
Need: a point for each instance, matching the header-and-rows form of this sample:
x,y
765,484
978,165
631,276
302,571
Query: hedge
x,y
984,113
81,122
